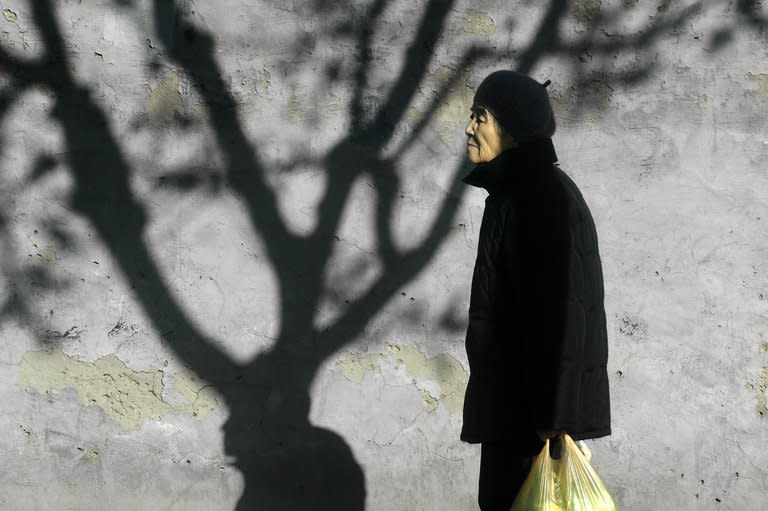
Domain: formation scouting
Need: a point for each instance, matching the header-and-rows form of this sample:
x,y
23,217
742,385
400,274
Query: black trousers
x,y
503,470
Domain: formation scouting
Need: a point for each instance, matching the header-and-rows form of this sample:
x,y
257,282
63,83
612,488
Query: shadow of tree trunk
x,y
287,462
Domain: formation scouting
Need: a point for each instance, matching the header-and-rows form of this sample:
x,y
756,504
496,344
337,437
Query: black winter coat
x,y
536,338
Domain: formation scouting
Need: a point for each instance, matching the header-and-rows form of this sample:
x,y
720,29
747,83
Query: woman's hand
x,y
546,434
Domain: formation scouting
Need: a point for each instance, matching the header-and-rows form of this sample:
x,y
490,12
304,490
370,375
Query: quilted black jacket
x,y
536,338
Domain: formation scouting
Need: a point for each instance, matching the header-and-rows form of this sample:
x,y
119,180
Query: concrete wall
x,y
236,253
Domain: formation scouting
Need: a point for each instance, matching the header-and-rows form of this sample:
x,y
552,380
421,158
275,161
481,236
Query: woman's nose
x,y
470,130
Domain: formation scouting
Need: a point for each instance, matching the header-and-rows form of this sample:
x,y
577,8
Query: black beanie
x,y
519,103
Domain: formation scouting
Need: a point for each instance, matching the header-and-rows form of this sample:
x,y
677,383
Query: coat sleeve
x,y
535,254
481,329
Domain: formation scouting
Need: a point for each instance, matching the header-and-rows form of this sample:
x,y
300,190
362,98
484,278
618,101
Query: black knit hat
x,y
519,103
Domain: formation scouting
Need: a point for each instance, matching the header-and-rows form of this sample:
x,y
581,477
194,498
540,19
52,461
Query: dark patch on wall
x,y
73,333
632,326
585,11
122,328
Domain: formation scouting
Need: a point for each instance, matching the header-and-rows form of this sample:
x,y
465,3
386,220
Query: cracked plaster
x,y
478,23
762,81
164,101
444,370
126,396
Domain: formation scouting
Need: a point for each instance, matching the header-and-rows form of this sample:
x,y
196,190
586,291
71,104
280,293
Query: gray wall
x,y
236,253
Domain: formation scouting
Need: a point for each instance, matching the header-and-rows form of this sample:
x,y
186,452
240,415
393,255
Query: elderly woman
x,y
536,337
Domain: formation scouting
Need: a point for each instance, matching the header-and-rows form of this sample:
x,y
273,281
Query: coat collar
x,y
512,165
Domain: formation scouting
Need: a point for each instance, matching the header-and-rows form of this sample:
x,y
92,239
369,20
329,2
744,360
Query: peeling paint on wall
x,y
198,394
128,397
9,15
428,401
585,10
478,23
413,115
562,100
760,387
632,326
293,105
443,369
165,99
48,254
762,80
354,367
265,78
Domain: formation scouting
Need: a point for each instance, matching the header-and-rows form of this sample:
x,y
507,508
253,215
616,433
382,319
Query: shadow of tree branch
x,y
102,194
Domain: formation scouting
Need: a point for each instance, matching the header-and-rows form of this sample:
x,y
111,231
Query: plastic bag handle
x,y
585,451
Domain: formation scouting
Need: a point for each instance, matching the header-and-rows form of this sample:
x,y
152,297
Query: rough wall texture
x,y
236,253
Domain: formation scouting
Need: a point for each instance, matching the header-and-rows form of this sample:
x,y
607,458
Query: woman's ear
x,y
507,140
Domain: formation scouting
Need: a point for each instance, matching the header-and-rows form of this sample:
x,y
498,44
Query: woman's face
x,y
486,138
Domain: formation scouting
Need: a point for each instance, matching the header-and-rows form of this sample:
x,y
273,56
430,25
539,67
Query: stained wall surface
x,y
236,250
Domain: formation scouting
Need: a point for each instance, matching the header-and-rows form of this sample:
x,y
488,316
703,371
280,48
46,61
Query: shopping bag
x,y
539,491
580,487
565,484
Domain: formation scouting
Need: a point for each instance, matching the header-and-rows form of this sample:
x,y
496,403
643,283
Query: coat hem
x,y
584,435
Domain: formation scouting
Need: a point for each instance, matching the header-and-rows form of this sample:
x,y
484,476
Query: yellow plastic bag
x,y
539,492
567,484
581,487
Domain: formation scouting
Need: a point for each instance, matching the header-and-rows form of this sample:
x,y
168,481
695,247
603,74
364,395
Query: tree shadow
x,y
287,462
